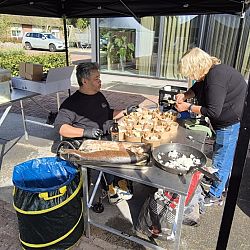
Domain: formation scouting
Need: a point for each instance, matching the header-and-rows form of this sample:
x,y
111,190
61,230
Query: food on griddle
x,y
173,154
176,160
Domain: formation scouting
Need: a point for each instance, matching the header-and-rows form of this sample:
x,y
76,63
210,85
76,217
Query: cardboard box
x,y
33,72
58,79
5,85
22,67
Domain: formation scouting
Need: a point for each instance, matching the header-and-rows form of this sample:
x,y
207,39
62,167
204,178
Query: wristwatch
x,y
190,107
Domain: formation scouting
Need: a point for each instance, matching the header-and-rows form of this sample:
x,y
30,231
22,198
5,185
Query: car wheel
x,y
52,47
28,46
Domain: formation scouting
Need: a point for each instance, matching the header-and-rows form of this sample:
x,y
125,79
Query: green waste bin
x,y
48,202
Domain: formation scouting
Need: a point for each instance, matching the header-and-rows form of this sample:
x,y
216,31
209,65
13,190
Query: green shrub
x,y
10,59
11,40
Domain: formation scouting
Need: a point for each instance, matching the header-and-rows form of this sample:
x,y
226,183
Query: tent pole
x,y
236,175
66,43
66,40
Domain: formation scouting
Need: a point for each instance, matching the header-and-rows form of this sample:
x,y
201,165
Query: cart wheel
x,y
98,208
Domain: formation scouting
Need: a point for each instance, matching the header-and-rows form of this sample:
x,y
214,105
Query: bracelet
x,y
190,107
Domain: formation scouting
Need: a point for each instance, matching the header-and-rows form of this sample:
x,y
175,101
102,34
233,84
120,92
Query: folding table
x,y
152,176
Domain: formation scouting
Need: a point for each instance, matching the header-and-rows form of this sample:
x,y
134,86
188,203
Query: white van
x,y
38,40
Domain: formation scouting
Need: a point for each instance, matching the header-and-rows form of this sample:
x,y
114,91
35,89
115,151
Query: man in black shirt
x,y
87,114
220,91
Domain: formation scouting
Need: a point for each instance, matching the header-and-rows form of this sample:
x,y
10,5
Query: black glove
x,y
107,126
92,133
132,108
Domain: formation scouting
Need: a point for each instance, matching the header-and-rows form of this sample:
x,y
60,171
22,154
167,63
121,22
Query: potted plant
x,y
119,50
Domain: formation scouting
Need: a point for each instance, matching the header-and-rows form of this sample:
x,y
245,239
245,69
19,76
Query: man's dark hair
x,y
83,71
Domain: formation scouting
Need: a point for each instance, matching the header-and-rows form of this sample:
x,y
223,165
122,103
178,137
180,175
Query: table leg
x,y
178,223
58,107
85,200
24,121
88,202
5,113
58,100
95,189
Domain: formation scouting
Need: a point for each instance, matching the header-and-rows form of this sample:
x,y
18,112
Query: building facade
x,y
16,26
152,46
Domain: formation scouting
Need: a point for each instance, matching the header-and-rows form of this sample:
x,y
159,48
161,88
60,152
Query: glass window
x,y
49,36
222,41
37,28
222,37
243,55
127,45
35,35
153,46
180,33
16,31
147,47
55,32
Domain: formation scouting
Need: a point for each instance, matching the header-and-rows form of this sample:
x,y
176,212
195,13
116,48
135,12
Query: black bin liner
x,y
48,202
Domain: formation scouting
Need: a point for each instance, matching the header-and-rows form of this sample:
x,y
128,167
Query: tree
x,y
80,23
4,27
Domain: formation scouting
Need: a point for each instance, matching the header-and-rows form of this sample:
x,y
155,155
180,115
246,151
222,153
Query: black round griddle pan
x,y
180,148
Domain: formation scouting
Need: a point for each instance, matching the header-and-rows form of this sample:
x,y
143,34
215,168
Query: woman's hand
x,y
180,98
183,106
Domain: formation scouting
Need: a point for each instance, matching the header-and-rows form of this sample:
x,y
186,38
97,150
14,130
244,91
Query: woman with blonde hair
x,y
220,91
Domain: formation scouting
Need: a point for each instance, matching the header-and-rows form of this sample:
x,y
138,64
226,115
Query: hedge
x,y
10,59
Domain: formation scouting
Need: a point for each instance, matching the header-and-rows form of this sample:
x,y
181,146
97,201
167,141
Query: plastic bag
x,y
157,215
43,174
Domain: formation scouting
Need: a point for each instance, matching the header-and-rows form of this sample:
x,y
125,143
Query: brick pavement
x,y
44,104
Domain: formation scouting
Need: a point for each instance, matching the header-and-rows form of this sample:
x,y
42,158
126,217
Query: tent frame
x,y
138,8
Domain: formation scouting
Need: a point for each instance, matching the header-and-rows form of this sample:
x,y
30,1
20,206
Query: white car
x,y
39,40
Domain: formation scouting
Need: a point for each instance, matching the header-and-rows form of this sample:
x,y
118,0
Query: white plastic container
x,y
5,85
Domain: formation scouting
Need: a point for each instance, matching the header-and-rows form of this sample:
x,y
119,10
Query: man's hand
x,y
92,133
132,108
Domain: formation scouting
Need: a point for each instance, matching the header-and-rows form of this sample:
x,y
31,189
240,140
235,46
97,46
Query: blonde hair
x,y
196,63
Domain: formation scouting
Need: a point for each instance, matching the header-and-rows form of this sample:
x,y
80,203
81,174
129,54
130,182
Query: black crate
x,y
166,95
